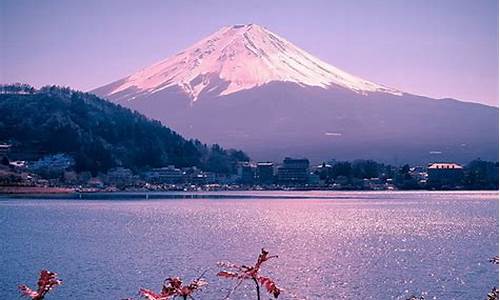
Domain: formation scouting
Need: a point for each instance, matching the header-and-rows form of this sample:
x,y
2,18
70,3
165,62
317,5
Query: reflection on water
x,y
330,245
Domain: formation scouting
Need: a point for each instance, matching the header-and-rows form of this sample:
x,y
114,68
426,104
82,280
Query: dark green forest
x,y
98,134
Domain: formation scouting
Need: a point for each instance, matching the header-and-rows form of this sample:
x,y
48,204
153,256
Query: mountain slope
x,y
246,87
237,58
98,134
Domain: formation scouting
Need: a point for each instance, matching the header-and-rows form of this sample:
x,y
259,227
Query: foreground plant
x,y
46,282
493,294
173,288
241,273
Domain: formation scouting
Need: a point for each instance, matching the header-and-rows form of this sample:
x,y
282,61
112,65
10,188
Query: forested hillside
x,y
98,135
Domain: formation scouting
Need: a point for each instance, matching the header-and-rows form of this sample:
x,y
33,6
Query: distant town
x,y
54,173
89,144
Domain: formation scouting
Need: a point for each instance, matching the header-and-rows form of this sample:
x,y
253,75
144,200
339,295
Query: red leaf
x,y
251,272
226,264
174,282
228,274
173,288
263,256
150,295
270,286
26,291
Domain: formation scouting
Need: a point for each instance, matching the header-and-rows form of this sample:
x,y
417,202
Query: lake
x,y
331,245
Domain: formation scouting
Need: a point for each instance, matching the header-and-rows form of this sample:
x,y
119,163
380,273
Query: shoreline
x,y
27,190
72,194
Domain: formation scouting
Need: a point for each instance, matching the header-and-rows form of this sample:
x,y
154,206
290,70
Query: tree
x,y
481,174
365,169
5,161
98,134
342,169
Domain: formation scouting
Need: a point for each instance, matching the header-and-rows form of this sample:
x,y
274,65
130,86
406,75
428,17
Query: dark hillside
x,y
98,134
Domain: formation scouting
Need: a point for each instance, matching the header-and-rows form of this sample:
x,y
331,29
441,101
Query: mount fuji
x,y
246,87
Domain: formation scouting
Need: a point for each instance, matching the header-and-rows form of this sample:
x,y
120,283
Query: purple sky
x,y
433,48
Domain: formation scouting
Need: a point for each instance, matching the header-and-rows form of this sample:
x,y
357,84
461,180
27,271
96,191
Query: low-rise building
x,y
293,171
324,171
120,176
52,166
444,174
265,172
19,164
313,179
169,175
246,172
4,149
193,175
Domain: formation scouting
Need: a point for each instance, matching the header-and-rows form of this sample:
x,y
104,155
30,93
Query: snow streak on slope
x,y
241,57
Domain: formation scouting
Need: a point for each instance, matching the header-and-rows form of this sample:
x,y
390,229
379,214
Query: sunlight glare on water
x,y
330,245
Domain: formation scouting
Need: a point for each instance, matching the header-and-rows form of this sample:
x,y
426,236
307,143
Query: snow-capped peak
x,y
241,57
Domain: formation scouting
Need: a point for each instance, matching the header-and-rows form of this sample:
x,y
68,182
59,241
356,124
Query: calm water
x,y
330,245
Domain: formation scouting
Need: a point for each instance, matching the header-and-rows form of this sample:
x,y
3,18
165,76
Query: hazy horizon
x,y
441,50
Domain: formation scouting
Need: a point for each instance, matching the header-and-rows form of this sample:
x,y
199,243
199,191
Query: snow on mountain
x,y
245,87
241,57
